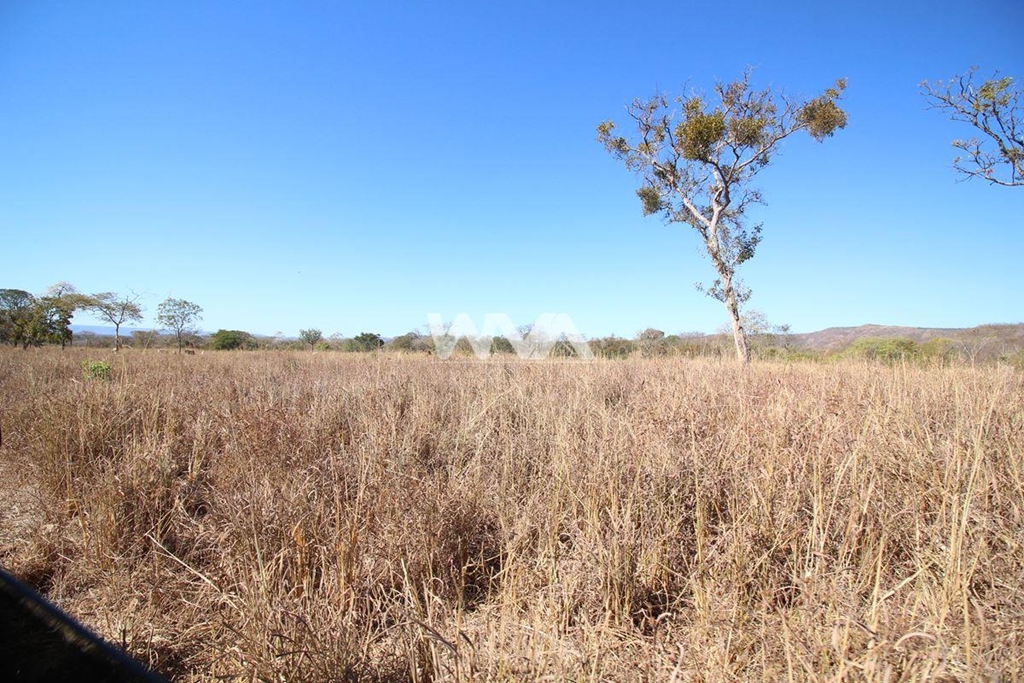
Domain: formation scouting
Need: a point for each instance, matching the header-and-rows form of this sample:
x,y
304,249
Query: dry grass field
x,y
324,517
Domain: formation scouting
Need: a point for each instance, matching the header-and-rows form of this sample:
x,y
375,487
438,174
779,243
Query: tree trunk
x,y
727,295
738,334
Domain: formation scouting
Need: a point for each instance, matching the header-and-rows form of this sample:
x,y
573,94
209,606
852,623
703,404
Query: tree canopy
x,y
311,337
227,340
27,320
367,341
16,312
180,317
115,309
993,108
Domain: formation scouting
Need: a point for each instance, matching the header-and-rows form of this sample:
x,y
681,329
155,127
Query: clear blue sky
x,y
356,166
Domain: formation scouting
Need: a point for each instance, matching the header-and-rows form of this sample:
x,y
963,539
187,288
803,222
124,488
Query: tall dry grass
x,y
315,517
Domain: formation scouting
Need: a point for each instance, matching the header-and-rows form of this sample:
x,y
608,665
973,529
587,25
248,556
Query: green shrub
x,y
1016,358
96,369
886,350
938,349
502,345
226,340
367,341
404,342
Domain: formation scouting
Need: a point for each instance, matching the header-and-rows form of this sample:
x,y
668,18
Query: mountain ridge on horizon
x,y
834,338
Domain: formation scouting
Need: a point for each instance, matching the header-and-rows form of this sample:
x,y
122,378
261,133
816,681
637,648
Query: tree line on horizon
x,y
27,320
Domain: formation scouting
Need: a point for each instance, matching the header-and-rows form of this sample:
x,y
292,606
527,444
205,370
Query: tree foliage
x,y
50,322
993,108
228,340
888,350
16,313
27,320
311,337
56,309
411,342
502,345
697,156
367,341
650,342
180,317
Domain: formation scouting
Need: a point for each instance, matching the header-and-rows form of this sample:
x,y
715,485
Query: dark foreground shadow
x,y
39,642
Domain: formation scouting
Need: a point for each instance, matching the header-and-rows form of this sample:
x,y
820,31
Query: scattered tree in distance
x,y
115,309
311,337
180,317
697,163
229,340
993,107
649,340
367,341
16,312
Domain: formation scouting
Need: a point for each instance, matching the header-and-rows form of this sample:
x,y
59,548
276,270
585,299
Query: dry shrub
x,y
310,517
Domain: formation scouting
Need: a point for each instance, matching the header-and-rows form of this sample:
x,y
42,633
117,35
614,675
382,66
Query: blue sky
x,y
354,167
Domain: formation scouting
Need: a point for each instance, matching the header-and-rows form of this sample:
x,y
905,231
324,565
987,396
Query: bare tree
x,y
697,163
761,332
993,108
115,309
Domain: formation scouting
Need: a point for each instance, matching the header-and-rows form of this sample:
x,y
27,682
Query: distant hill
x,y
838,338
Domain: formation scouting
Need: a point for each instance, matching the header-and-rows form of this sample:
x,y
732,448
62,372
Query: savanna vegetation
x,y
272,513
310,517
